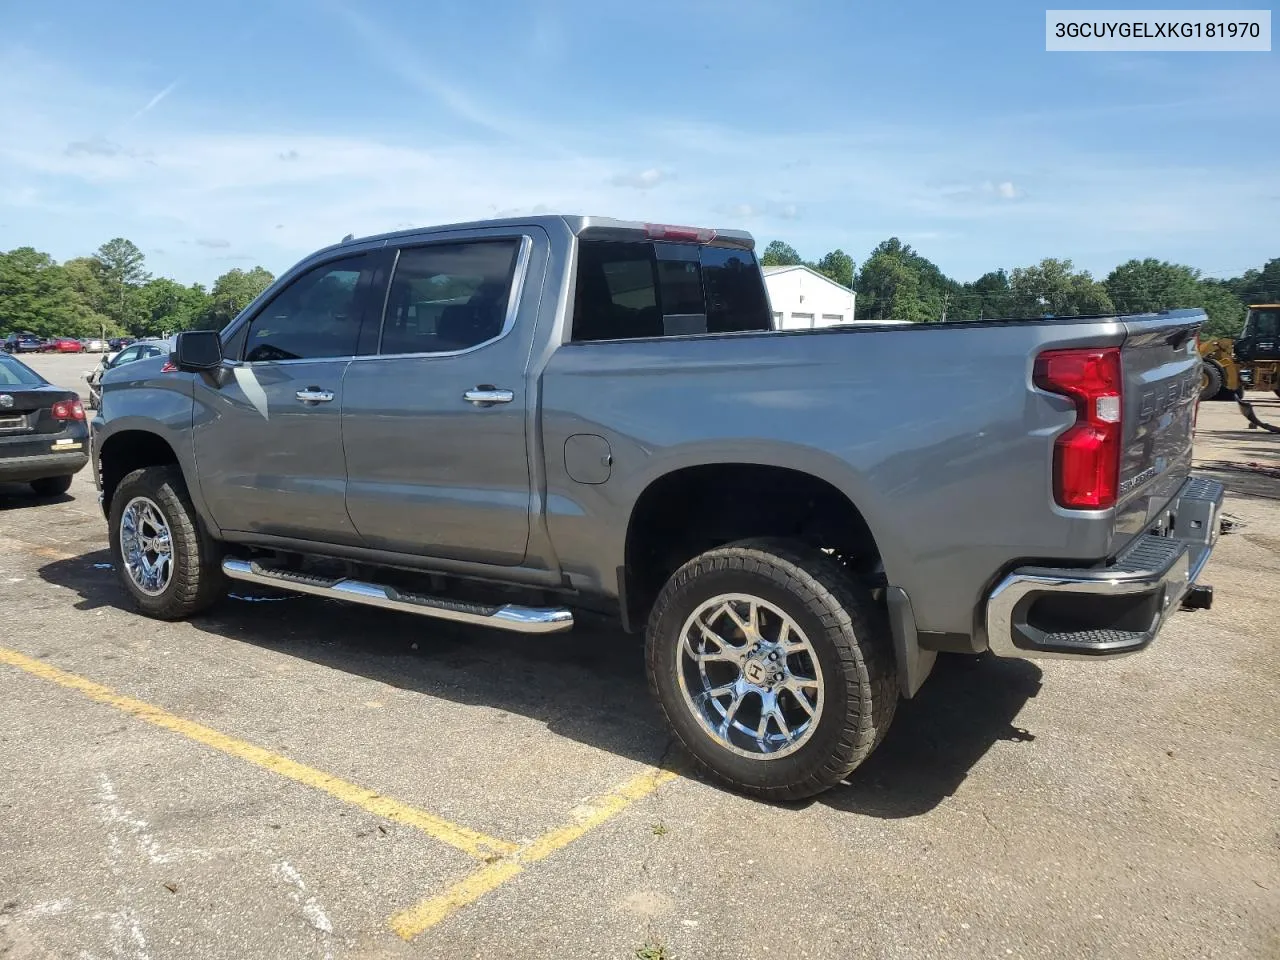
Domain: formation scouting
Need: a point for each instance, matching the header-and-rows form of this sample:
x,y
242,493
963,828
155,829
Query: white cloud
x,y
1006,189
150,104
644,180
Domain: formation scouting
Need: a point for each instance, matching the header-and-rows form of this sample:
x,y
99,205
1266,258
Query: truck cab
x,y
1257,349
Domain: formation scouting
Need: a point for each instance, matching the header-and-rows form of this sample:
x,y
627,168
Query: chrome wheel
x,y
750,676
146,547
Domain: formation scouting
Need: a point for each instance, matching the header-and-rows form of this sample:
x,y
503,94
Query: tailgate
x,y
1161,388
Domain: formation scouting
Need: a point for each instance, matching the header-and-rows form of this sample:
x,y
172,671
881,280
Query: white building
x,y
803,298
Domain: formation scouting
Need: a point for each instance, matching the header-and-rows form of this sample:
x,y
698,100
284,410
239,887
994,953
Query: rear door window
x,y
448,297
736,298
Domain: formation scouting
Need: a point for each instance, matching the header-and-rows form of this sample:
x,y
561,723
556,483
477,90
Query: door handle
x,y
486,396
314,395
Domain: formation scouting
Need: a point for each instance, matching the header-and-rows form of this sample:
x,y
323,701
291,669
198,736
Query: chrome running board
x,y
504,617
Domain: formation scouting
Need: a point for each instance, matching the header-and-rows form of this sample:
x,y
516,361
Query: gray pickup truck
x,y
504,422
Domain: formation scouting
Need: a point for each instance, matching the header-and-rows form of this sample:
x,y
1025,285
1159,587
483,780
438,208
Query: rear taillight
x,y
1086,458
68,410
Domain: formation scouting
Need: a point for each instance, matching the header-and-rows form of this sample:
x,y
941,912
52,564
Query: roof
x,y
597,227
772,271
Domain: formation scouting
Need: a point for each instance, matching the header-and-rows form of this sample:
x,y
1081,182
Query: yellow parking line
x,y
469,841
422,916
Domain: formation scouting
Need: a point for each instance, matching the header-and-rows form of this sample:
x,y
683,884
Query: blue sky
x,y
254,132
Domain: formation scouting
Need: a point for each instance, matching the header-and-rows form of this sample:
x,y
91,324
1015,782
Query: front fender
x,y
155,403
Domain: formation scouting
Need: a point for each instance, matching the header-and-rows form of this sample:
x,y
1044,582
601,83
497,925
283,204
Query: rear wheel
x,y
1211,380
51,486
772,667
166,562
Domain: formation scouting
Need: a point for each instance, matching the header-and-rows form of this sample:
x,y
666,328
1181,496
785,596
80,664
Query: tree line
x,y
897,283
111,293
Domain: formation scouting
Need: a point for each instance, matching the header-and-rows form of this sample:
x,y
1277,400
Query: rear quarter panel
x,y
935,433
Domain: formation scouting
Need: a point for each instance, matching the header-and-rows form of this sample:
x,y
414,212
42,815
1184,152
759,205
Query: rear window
x,y
630,290
15,374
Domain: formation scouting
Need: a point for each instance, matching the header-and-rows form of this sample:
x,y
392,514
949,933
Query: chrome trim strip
x,y
523,255
513,617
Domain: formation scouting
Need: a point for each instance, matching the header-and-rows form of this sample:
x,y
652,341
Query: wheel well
x,y
689,511
128,451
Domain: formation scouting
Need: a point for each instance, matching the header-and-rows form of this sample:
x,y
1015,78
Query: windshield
x,y
1263,323
15,374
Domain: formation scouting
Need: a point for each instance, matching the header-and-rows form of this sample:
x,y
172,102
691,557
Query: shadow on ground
x,y
1241,481
19,496
589,684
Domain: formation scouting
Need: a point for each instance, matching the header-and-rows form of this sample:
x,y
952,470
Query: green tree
x,y
85,276
37,295
888,289
166,306
837,265
987,298
1258,286
122,272
1055,288
1225,311
896,283
232,292
779,254
1139,286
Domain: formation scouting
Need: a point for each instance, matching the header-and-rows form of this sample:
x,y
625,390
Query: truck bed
x,y
910,423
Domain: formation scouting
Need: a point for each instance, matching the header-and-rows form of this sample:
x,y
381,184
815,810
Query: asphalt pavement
x,y
289,777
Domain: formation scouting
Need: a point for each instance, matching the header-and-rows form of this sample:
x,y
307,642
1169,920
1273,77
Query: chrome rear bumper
x,y
1114,609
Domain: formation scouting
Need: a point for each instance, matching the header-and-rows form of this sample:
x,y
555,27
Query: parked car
x,y
119,343
63,345
499,423
44,437
23,343
138,351
94,345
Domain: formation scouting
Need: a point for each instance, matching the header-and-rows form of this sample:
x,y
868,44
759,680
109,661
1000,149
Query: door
x,y
268,429
434,425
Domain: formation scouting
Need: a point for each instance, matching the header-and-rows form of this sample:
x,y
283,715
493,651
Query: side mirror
x,y
196,350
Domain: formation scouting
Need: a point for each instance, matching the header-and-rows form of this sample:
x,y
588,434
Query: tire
x,y
194,579
1211,380
849,643
51,486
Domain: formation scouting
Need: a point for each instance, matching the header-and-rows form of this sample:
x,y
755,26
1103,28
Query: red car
x,y
64,345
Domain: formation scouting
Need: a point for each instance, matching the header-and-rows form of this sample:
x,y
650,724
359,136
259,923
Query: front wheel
x,y
773,668
166,562
1211,380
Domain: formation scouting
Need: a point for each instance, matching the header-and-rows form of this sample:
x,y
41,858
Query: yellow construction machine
x,y
1250,361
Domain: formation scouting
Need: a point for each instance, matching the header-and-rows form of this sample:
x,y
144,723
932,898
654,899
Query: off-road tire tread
x,y
855,622
1217,380
197,579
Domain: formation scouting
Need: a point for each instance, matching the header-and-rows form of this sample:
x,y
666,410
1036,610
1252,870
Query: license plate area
x,y
11,423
